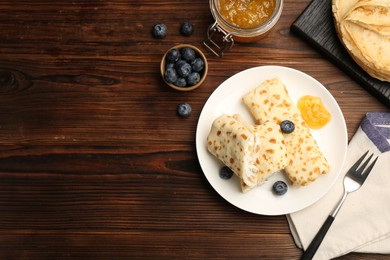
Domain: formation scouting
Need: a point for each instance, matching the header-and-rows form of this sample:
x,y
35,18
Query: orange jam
x,y
246,13
313,111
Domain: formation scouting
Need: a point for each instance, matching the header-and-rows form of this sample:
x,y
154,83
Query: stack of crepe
x,y
363,27
255,152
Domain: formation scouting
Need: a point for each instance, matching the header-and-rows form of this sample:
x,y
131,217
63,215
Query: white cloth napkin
x,y
363,223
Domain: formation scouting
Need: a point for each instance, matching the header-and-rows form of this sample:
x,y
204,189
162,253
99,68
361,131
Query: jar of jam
x,y
241,21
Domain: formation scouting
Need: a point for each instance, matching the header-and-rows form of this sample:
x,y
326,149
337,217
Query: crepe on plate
x,y
271,102
253,153
363,26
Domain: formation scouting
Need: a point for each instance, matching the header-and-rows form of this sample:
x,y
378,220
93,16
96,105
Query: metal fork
x,y
353,180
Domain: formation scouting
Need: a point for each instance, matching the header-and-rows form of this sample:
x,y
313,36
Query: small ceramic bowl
x,y
203,72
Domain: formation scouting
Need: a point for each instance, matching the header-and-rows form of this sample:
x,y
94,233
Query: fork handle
x,y
316,242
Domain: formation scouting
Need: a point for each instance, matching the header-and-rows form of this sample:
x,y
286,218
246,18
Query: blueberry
x,y
173,55
184,110
193,78
279,188
188,54
225,173
183,68
287,126
186,28
197,65
159,31
170,75
169,65
181,82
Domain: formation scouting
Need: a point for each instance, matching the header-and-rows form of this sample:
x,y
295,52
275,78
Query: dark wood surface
x,y
94,161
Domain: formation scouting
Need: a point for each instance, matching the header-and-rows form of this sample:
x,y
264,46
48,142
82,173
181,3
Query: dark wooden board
x,y
315,25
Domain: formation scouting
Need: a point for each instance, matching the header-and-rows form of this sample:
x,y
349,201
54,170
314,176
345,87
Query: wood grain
x,y
94,161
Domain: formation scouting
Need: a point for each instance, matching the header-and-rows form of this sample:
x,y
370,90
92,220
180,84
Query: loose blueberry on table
x,y
159,31
184,110
186,28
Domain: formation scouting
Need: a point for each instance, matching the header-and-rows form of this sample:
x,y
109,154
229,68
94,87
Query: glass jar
x,y
222,34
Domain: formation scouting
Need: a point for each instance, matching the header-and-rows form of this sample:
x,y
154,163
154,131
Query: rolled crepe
x,y
271,101
233,143
253,153
272,156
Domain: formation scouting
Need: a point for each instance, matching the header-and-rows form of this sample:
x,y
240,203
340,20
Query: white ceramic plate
x,y
332,140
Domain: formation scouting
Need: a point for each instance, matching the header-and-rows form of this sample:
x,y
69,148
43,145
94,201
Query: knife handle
x,y
316,242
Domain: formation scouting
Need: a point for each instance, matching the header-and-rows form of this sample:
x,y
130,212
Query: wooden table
x,y
94,161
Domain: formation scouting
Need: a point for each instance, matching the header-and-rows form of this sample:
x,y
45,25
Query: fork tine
x,y
363,166
357,163
368,170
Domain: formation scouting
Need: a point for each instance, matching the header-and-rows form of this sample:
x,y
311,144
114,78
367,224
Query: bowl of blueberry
x,y
184,67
